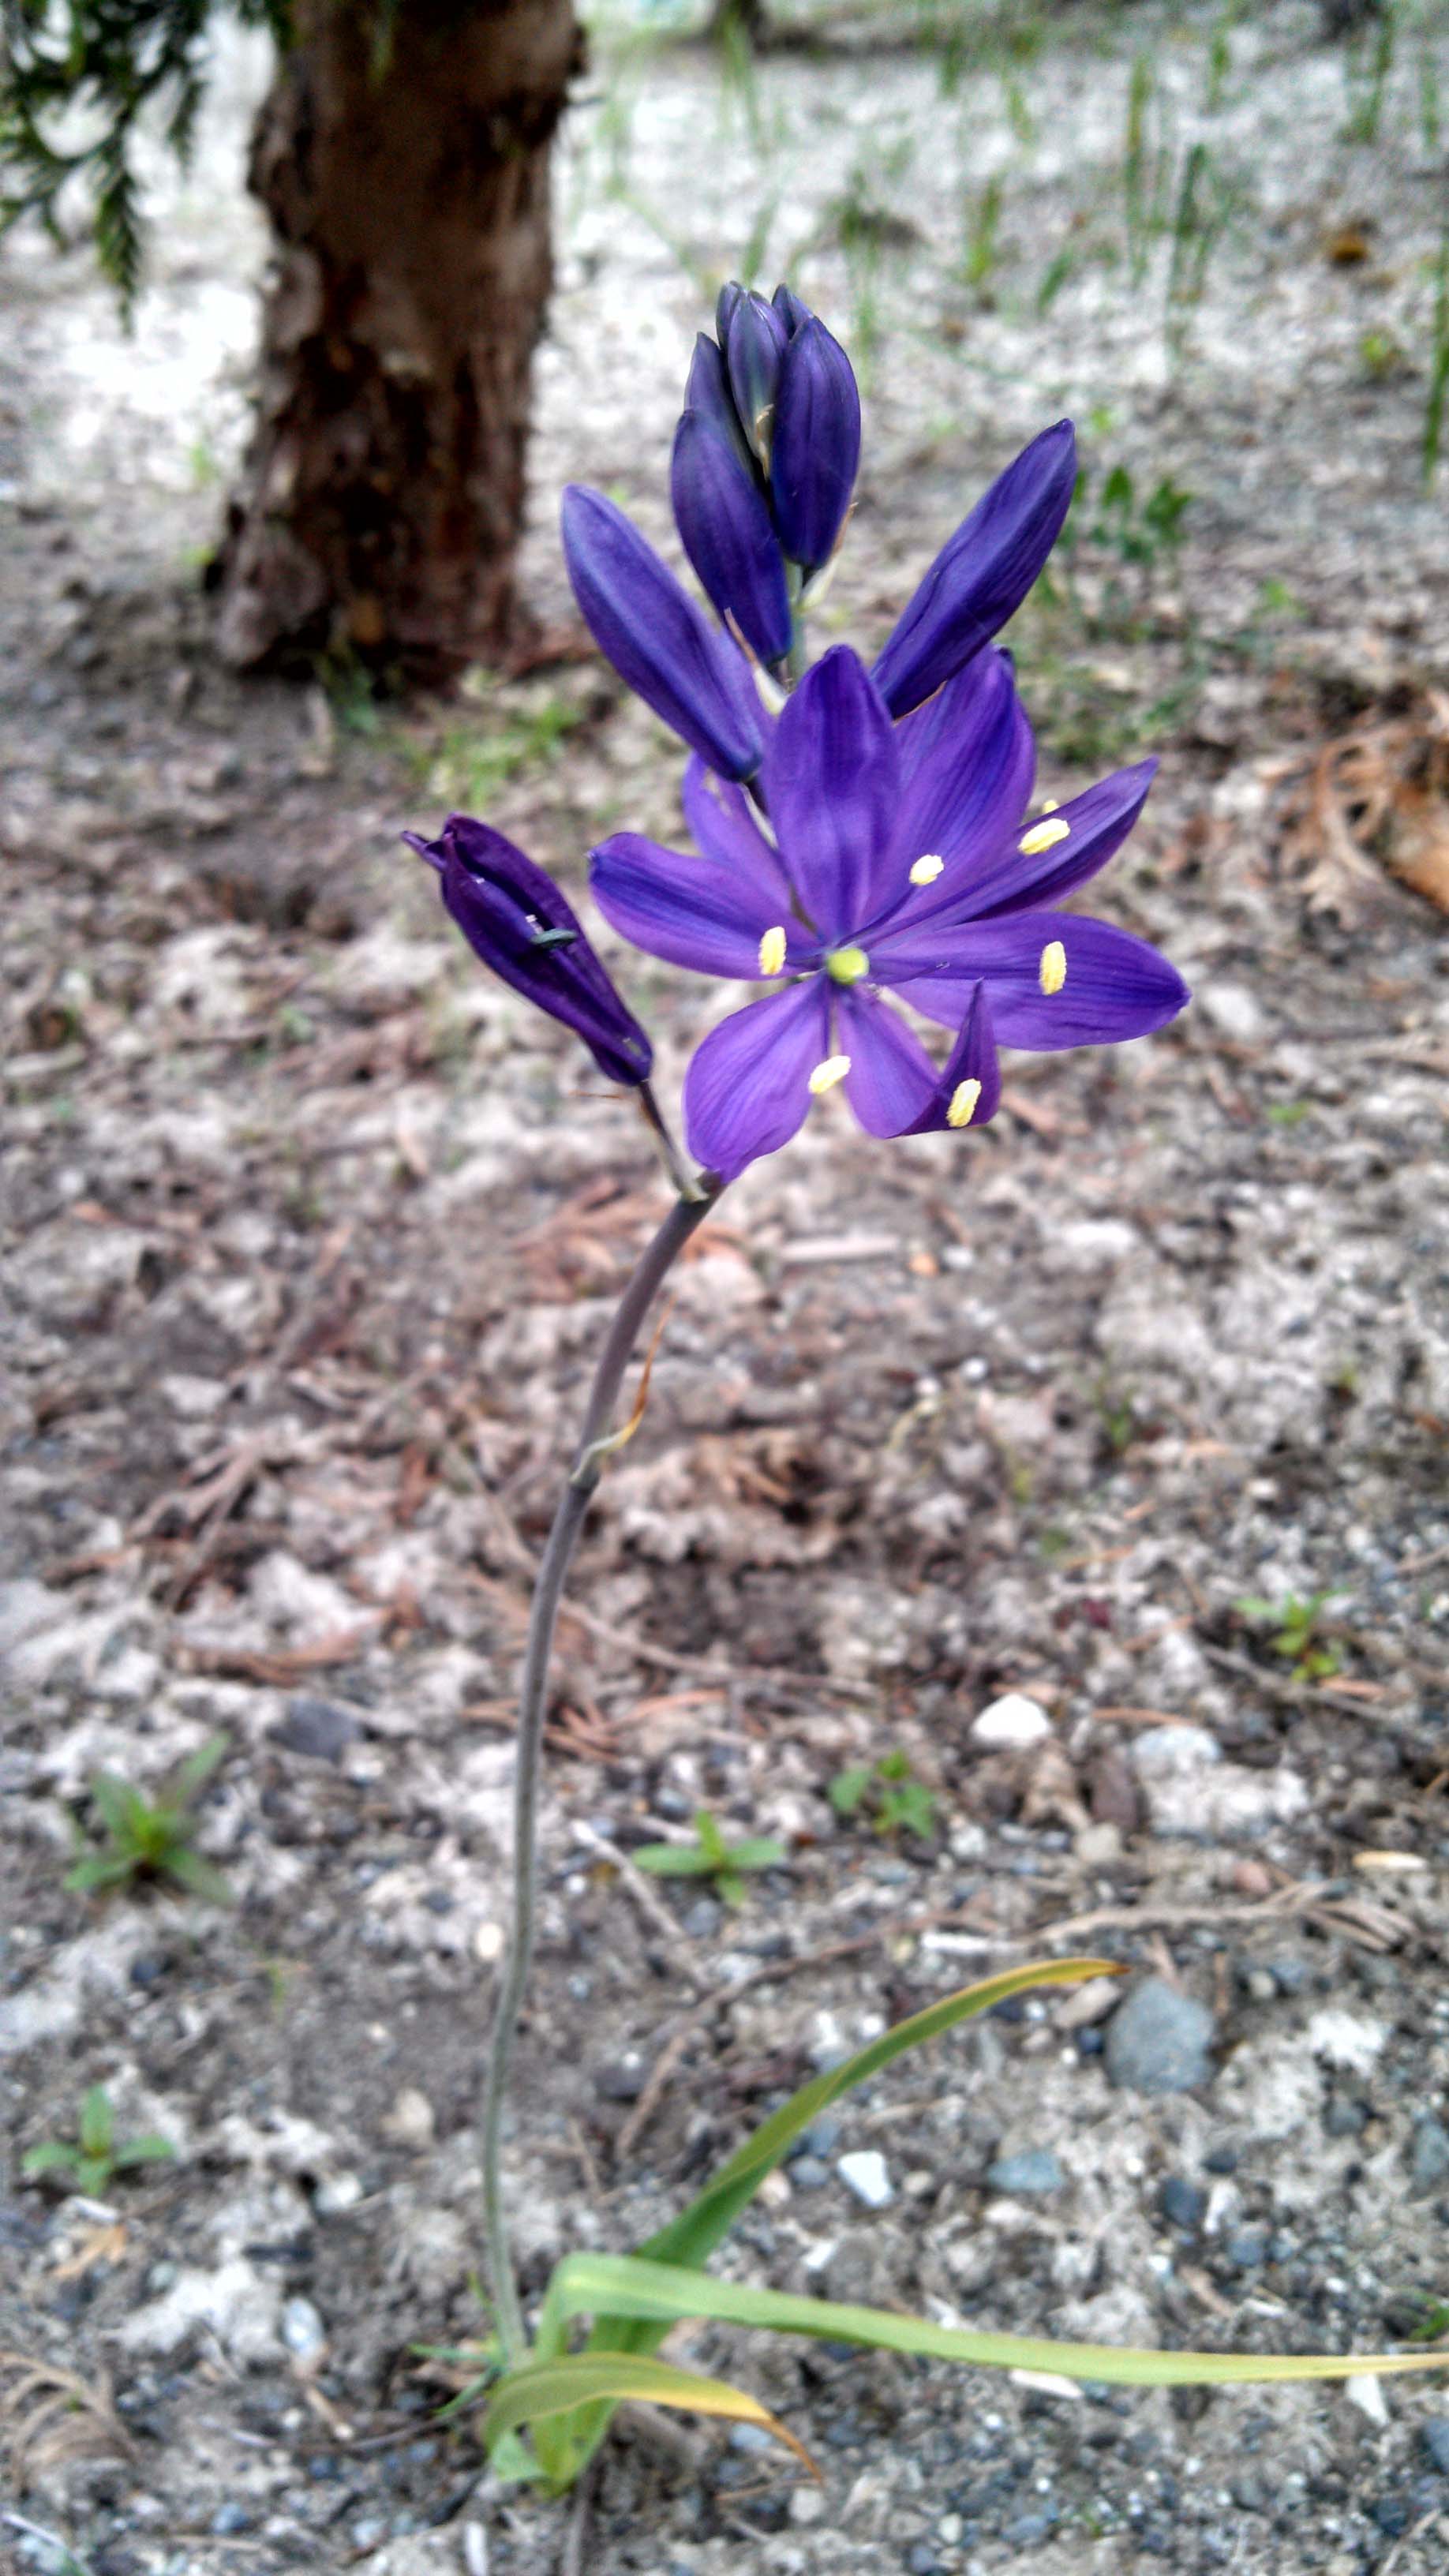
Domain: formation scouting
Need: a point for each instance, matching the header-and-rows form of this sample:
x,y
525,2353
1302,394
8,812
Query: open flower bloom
x,y
516,919
898,862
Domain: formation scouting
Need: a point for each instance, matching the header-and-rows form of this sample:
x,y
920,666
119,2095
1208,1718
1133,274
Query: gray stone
x,y
1158,2040
622,2080
319,1727
807,2173
1183,2203
1033,2171
1429,2156
230,2518
704,1918
1435,2437
303,2332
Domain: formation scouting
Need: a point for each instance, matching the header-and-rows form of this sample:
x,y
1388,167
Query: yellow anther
x,y
1043,836
847,965
1053,966
826,1075
772,951
925,871
1049,804
963,1104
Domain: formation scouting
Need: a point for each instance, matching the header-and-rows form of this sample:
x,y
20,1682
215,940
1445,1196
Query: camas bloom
x,y
898,862
516,919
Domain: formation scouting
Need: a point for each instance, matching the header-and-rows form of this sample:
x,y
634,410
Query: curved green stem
x,y
681,1222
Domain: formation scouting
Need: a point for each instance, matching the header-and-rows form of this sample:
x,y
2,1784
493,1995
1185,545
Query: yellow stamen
x,y
963,1104
847,965
1053,966
772,951
925,871
1049,804
1043,836
826,1075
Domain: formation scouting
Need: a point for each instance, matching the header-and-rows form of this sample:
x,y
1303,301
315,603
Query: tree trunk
x,y
409,196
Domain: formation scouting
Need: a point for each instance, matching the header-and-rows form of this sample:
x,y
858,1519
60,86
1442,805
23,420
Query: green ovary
x,y
847,965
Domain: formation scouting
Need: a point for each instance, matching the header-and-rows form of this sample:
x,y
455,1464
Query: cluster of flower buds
x,y
862,835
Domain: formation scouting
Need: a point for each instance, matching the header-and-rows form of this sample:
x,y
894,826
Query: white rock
x,y
1232,1008
303,2332
864,2172
1365,2391
1166,1752
1011,1724
1347,2039
236,2303
1223,1803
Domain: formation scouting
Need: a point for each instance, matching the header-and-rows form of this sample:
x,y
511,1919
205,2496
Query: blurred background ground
x,y
310,1234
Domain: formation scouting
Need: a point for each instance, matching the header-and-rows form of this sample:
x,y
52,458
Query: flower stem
x,y
685,1215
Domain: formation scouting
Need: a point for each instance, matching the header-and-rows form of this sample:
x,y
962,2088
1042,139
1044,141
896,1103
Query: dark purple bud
x,y
727,535
724,311
657,640
816,446
792,312
983,574
708,390
514,917
754,354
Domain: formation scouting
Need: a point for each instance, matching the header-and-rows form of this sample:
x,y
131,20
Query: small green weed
x,y
710,1856
91,2161
888,1794
1294,1627
148,1838
465,766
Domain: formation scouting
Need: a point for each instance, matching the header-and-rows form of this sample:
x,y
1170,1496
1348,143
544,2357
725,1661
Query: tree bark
x,y
409,198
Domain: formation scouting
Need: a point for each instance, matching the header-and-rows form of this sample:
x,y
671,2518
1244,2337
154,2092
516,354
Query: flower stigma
x,y
772,950
1053,966
962,1107
924,871
1043,836
826,1075
846,966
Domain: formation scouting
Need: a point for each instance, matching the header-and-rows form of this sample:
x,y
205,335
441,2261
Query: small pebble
x,y
1391,2513
1429,2158
1158,2040
318,1727
864,2173
921,2559
303,2332
703,1919
1011,1725
1221,2160
807,2173
1435,2435
1034,2171
1345,2118
229,2519
622,2080
1182,2203
1246,2249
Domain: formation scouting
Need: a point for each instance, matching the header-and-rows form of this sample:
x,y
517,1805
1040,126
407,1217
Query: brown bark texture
x,y
409,198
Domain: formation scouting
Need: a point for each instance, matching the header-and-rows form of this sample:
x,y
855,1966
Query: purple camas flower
x,y
897,861
515,918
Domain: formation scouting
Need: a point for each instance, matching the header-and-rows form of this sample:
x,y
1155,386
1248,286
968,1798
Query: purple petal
x,y
692,911
656,638
754,343
1096,824
982,575
792,312
708,390
816,447
725,528
748,1085
721,819
519,922
967,761
832,784
1114,986
893,1086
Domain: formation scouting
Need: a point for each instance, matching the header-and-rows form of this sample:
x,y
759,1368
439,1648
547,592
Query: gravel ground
x,y
310,1235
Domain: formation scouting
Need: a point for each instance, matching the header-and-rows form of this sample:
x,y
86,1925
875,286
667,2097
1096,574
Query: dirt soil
x,y
310,1235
